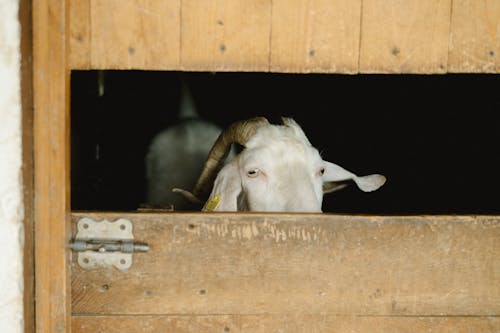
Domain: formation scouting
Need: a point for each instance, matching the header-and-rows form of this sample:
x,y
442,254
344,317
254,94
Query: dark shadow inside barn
x,y
435,137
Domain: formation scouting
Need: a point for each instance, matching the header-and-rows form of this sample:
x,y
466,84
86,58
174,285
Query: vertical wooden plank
x,y
79,25
51,160
475,36
25,9
315,36
409,36
135,34
225,35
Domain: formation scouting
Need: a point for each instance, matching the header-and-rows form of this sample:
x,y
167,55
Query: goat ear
x,y
329,187
227,187
368,183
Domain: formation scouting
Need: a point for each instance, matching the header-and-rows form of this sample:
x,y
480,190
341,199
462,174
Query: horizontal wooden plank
x,y
283,323
230,263
321,36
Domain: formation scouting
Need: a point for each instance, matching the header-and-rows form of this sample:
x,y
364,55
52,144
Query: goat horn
x,y
239,132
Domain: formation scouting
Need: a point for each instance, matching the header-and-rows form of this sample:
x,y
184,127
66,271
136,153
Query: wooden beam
x,y
318,36
314,323
51,160
28,168
231,263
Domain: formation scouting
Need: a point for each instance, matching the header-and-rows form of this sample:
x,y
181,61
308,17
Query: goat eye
x,y
253,173
321,171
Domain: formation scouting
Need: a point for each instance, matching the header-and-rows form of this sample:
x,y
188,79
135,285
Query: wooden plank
x,y
408,36
25,9
301,263
475,37
283,323
135,34
307,36
153,324
319,36
79,24
51,161
225,35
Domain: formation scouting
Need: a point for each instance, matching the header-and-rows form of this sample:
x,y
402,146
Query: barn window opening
x,y
435,137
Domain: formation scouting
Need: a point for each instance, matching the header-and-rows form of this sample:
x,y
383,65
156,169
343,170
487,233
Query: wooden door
x,y
296,273
260,272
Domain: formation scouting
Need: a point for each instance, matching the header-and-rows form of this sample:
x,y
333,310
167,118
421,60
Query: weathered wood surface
x,y
283,323
408,36
301,264
315,36
124,34
225,35
25,20
334,36
51,166
79,34
475,36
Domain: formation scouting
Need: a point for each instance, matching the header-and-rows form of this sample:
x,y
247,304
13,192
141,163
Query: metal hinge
x,y
101,244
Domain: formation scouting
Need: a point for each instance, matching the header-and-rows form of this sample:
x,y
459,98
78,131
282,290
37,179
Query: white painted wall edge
x,y
11,187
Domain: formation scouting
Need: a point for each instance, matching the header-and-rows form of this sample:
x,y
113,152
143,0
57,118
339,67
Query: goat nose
x,y
303,205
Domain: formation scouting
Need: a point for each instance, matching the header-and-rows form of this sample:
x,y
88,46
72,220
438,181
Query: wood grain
x,y
300,264
283,323
25,9
315,36
475,37
51,162
79,25
225,35
408,36
135,34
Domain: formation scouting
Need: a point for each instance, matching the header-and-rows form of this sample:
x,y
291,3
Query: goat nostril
x,y
322,171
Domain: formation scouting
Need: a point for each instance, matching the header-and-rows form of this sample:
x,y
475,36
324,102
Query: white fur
x,y
279,171
176,155
175,159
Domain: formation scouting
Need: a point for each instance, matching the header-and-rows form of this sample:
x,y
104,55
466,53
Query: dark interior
x,y
435,137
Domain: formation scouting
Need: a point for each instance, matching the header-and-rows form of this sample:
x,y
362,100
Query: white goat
x,y
176,155
277,171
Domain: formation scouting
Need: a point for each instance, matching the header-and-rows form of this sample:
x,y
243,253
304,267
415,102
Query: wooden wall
x,y
233,272
25,8
323,36
51,156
